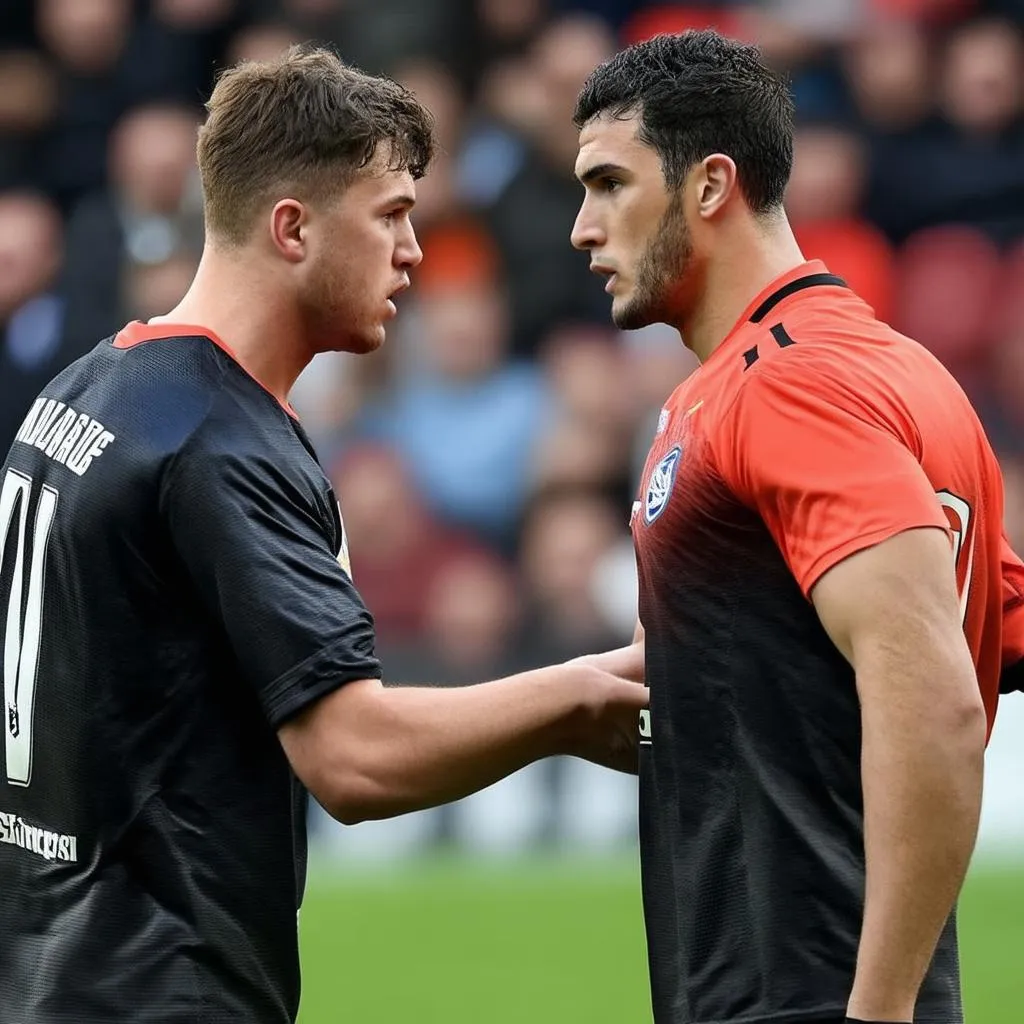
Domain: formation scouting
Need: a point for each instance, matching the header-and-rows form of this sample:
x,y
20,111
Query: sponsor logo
x,y
659,487
43,842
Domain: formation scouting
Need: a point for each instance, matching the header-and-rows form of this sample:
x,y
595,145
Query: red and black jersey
x,y
812,432
171,585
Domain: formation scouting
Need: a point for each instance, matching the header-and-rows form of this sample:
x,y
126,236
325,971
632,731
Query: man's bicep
x,y
893,607
263,569
825,478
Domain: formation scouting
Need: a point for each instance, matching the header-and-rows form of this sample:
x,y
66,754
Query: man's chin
x,y
630,316
363,343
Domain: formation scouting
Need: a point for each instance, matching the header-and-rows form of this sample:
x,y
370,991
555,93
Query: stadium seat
x,y
947,279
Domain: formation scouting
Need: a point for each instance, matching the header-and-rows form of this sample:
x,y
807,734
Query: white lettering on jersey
x,y
645,727
43,842
73,439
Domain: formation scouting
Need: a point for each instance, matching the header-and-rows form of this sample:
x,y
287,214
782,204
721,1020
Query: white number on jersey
x,y
958,512
22,636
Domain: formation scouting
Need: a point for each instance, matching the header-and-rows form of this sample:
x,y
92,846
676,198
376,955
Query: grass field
x,y
551,942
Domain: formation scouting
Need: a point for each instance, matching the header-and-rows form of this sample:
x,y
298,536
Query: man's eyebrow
x,y
599,171
402,199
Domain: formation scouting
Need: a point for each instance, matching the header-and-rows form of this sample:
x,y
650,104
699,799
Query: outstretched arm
x,y
368,751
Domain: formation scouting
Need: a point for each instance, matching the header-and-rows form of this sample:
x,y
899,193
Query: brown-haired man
x,y
184,650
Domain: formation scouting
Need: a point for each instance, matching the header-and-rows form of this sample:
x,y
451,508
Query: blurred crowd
x,y
486,458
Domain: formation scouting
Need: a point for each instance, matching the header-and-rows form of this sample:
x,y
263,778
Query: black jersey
x,y
173,590
812,432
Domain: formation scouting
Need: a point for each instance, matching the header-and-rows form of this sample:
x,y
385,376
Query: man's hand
x,y
609,726
894,613
625,662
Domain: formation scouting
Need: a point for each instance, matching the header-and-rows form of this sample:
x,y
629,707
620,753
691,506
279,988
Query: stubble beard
x,y
660,272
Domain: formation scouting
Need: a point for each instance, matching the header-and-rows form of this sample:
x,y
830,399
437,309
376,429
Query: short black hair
x,y
697,93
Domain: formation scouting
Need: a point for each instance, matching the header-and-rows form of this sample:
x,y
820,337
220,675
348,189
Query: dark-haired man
x,y
184,647
821,565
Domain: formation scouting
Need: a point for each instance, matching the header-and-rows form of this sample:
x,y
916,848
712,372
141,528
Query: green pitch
x,y
551,943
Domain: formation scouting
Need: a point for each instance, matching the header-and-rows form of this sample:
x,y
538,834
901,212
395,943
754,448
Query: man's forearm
x,y
922,776
368,751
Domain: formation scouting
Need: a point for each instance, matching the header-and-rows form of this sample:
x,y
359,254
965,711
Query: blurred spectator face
x,y
28,92
471,609
87,36
828,175
193,15
590,374
436,88
580,454
510,22
889,73
562,58
465,329
512,93
438,91
152,156
30,249
381,509
564,541
261,42
983,77
151,289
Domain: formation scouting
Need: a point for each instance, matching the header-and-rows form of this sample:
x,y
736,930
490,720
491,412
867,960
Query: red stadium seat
x,y
660,18
947,281
859,253
931,11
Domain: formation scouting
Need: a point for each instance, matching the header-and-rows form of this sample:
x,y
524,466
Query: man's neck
x,y
746,262
236,300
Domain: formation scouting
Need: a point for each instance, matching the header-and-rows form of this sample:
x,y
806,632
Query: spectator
x,y
467,420
33,340
148,214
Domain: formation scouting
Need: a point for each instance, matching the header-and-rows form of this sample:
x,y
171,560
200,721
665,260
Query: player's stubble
x,y
337,315
661,270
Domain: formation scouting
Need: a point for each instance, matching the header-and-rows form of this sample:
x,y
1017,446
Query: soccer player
x,y
185,651
819,548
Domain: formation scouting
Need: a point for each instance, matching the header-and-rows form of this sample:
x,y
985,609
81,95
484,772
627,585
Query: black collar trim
x,y
810,281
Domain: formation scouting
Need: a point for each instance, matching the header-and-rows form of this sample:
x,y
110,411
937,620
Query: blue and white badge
x,y
659,487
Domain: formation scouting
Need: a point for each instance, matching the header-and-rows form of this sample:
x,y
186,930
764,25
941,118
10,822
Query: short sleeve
x,y
827,477
258,548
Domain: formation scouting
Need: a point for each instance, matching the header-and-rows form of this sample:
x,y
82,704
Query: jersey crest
x,y
659,487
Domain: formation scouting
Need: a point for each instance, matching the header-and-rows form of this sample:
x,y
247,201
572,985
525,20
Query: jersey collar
x,y
810,274
137,333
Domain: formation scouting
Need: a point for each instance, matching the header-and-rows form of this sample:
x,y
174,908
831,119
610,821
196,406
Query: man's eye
x,y
611,185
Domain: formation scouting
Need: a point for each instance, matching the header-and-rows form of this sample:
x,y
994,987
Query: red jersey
x,y
812,432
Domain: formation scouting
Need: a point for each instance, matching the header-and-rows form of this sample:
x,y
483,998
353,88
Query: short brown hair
x,y
301,125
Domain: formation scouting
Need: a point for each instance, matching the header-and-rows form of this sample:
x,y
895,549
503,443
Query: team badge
x,y
659,487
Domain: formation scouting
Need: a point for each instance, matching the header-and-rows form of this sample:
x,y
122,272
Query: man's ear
x,y
287,229
716,183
